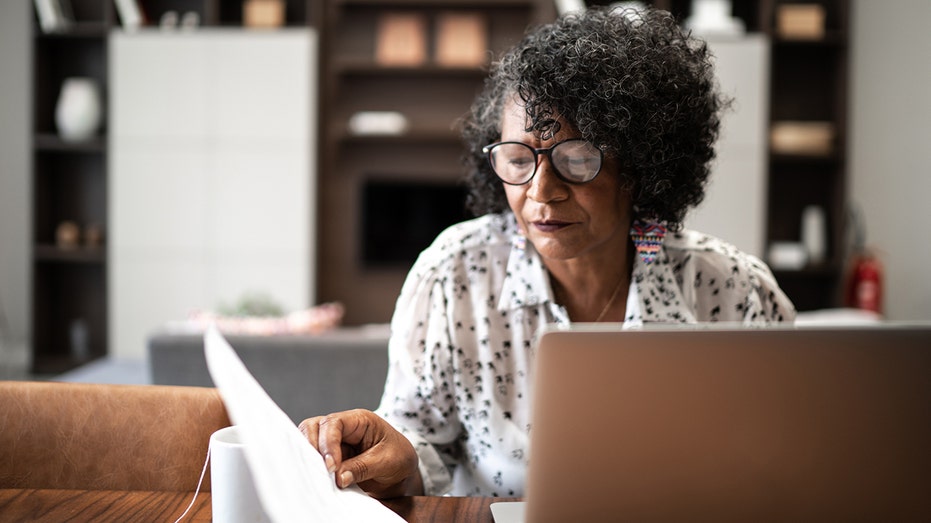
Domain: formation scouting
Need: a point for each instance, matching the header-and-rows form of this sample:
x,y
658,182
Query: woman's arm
x,y
407,447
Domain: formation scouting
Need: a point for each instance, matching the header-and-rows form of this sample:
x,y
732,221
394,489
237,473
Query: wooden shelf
x,y
835,39
412,136
360,67
785,158
52,253
78,30
54,143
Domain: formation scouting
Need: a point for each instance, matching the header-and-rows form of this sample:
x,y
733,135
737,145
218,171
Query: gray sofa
x,y
305,375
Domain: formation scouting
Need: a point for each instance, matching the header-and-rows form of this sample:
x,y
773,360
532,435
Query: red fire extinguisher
x,y
864,283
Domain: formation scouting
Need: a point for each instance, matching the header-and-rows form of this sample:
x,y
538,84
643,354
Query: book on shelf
x,y
401,39
130,13
54,15
461,39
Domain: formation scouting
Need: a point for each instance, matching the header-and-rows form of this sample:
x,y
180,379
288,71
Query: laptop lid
x,y
731,424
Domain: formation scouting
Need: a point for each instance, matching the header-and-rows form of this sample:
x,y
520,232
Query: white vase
x,y
713,18
814,233
79,110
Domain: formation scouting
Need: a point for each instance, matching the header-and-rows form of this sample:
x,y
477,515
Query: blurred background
x,y
161,158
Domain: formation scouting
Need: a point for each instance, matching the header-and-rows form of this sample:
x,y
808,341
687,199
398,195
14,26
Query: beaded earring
x,y
647,236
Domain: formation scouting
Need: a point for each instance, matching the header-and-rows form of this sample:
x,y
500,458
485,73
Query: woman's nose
x,y
545,186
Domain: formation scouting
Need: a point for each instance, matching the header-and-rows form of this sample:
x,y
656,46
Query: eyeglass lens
x,y
575,161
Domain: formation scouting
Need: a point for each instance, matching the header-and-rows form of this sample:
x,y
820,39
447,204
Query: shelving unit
x,y
70,307
69,183
70,180
423,162
809,84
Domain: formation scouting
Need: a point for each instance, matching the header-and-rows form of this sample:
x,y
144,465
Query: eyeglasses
x,y
574,161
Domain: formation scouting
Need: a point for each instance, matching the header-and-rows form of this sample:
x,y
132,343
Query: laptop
x,y
730,424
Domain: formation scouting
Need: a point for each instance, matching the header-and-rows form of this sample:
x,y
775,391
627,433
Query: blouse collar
x,y
654,290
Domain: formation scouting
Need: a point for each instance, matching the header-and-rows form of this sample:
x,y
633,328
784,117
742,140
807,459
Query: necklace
x,y
610,300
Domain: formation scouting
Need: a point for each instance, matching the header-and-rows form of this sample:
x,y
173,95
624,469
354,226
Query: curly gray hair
x,y
636,85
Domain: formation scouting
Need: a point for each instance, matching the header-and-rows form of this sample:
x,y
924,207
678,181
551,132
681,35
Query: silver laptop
x,y
730,424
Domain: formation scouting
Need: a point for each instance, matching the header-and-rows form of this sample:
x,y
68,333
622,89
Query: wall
x,y
15,56
890,153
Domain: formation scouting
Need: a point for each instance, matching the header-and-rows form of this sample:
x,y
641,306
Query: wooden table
x,y
49,505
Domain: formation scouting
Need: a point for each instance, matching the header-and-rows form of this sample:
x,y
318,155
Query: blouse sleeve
x,y
418,399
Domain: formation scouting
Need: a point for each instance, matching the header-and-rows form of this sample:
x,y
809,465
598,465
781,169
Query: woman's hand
x,y
361,447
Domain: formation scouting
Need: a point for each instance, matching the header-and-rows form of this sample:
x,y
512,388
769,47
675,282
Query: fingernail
x,y
345,478
330,464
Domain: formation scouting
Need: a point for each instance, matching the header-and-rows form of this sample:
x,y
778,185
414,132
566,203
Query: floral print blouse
x,y
464,331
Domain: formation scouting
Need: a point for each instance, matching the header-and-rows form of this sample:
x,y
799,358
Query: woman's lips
x,y
550,225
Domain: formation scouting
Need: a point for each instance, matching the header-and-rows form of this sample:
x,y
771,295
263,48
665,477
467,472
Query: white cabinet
x,y
734,208
212,181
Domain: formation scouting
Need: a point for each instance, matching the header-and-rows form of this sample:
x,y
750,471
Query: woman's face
x,y
567,221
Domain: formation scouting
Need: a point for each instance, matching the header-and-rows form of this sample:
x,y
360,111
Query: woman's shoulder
x,y
467,258
725,283
484,230
468,241
712,253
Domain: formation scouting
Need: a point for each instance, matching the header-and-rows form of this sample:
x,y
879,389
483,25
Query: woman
x,y
589,143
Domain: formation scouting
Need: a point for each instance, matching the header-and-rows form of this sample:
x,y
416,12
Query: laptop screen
x,y
724,424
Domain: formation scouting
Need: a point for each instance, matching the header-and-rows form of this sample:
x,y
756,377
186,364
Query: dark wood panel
x,y
69,182
432,97
805,81
68,186
811,289
809,82
69,315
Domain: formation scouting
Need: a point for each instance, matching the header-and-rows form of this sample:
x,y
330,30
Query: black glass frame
x,y
546,151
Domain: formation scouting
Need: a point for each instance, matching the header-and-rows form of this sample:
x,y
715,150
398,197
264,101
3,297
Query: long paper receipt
x,y
289,474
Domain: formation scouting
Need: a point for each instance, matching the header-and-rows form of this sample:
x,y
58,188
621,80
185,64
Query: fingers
x,y
342,434
387,469
310,427
386,464
361,447
330,440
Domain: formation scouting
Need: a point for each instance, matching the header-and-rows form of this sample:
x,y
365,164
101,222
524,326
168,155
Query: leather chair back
x,y
106,437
